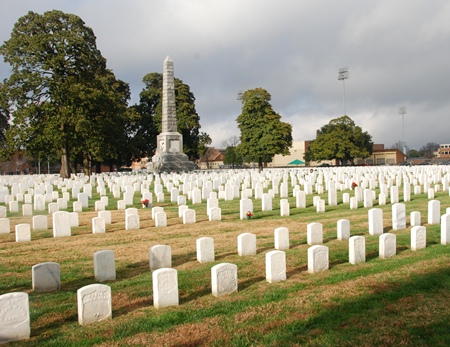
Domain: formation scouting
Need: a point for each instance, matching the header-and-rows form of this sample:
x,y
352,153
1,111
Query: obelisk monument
x,y
169,154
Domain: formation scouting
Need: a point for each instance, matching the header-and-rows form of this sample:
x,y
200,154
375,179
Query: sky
x,y
397,53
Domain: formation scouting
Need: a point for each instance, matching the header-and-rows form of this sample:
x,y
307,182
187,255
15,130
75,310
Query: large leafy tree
x,y
341,139
148,124
263,134
62,99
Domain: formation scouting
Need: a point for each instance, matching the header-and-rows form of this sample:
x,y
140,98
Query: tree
x,y
4,125
263,134
63,100
203,141
232,141
231,157
148,126
342,140
413,153
428,150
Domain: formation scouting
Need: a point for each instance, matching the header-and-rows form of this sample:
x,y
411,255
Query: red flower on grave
x,y
354,185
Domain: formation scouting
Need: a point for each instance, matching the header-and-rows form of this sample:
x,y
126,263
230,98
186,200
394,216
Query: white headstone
x,y
415,219
445,229
353,203
398,216
98,225
246,244
343,229
245,205
27,210
189,216
160,219
375,221
52,208
160,256
418,238
94,303
281,236
61,224
165,288
434,212
300,199
266,204
157,209
357,249
23,232
275,266
5,226
314,234
77,206
205,249
15,317
132,222
224,279
84,199
387,245
40,222
215,213
46,277
317,258
104,266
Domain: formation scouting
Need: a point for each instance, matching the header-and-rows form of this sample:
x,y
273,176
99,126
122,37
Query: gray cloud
x,y
396,51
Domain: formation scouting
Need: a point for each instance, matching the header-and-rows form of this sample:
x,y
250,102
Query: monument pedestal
x,y
170,156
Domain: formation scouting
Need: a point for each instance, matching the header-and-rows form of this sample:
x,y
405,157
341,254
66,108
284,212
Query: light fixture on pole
x,y
402,112
343,75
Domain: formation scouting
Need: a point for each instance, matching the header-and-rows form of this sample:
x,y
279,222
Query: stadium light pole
x,y
343,75
402,112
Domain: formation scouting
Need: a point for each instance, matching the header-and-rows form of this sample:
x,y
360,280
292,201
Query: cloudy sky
x,y
398,54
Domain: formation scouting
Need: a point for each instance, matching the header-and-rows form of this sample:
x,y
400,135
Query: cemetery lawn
x,y
400,301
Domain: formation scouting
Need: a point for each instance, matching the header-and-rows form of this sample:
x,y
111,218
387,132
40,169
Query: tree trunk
x,y
260,164
87,165
65,167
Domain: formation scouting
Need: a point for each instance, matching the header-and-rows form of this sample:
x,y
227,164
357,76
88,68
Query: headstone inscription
x,y
224,279
15,317
94,303
165,287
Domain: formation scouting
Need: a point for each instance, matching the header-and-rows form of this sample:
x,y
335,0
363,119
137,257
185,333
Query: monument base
x,y
170,162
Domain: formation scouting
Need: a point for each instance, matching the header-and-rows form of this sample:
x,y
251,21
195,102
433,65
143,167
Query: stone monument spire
x,y
169,113
169,155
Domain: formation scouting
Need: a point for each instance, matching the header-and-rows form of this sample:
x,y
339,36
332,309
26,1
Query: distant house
x,y
382,156
213,159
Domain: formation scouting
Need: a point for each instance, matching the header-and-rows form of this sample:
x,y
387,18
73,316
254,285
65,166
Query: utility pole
x,y
343,75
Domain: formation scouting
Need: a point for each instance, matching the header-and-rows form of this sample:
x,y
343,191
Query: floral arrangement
x,y
354,185
145,202
249,214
